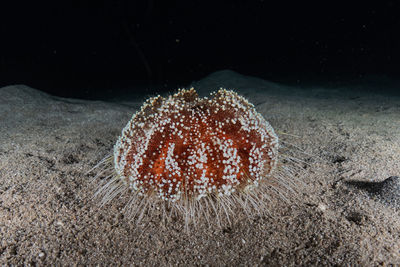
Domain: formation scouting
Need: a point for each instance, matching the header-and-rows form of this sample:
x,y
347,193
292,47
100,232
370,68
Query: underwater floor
x,y
346,211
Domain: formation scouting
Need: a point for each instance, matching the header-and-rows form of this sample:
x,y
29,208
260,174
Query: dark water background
x,y
115,49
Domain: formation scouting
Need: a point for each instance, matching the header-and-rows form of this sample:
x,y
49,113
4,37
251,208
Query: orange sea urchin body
x,y
186,146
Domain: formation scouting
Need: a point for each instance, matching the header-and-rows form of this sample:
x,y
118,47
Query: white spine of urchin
x,y
195,158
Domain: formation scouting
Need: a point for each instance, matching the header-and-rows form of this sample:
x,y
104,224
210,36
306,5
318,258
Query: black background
x,y
87,48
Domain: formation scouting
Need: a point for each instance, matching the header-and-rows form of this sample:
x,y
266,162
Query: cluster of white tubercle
x,y
184,145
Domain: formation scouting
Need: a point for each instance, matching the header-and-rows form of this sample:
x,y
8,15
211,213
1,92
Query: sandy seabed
x,y
348,211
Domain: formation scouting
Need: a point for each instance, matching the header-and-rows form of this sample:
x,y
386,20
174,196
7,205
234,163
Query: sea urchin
x,y
183,151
